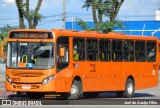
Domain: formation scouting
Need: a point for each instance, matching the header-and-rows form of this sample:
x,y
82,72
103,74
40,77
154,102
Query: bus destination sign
x,y
31,35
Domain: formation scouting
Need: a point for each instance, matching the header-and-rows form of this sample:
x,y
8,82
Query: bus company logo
x,y
6,102
20,102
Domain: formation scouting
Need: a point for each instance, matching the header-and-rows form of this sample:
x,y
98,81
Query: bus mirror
x,y
61,54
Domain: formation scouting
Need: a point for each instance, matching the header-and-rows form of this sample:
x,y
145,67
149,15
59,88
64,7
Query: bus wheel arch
x,y
129,88
131,77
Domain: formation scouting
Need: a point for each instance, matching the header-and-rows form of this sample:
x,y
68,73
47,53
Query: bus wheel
x,y
34,95
90,94
129,89
76,89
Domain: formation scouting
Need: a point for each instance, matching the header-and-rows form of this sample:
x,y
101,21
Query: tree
x,y
101,8
32,16
5,29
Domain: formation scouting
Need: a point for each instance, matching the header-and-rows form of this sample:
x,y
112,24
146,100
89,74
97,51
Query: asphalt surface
x,y
2,68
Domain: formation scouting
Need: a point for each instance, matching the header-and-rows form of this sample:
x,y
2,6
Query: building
x,y
147,28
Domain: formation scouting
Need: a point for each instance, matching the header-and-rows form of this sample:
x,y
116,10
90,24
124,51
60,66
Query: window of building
x,y
117,50
151,51
104,50
92,49
79,49
140,50
128,47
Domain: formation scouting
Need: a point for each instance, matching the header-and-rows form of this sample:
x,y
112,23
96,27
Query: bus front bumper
x,y
34,87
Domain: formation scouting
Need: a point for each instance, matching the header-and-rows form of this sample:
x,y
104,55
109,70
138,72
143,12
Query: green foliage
x,y
103,27
5,29
39,16
101,9
102,5
82,24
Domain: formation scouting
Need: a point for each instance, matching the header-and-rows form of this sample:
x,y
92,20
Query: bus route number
x,y
16,79
93,68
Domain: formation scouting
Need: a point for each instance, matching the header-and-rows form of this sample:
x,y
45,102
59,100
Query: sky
x,y
131,10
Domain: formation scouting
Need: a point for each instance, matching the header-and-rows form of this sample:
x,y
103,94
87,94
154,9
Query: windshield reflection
x,y
30,55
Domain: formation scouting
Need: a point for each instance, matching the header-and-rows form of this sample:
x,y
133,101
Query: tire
x,y
90,94
76,90
129,90
34,95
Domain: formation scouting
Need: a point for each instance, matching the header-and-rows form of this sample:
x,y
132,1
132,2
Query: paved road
x,y
2,68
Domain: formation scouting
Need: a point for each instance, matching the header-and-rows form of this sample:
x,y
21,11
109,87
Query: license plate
x,y
26,87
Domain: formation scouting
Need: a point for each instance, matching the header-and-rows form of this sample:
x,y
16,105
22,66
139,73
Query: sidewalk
x,y
2,77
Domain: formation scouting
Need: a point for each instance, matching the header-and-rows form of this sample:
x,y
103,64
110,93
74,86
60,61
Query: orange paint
x,y
95,75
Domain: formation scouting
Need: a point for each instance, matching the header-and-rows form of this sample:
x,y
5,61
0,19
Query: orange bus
x,y
159,52
75,63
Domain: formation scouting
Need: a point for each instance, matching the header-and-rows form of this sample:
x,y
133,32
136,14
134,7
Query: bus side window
x,y
140,51
78,49
117,50
128,50
151,51
92,49
104,50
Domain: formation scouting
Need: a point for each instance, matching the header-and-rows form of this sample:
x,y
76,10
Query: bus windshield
x,y
30,55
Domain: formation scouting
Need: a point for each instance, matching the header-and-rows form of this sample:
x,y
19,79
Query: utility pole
x,y
64,14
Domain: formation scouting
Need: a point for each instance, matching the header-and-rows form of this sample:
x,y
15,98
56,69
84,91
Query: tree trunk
x,y
21,20
100,12
25,12
36,13
94,15
115,9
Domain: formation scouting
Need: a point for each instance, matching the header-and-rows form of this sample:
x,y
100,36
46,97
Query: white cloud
x,y
9,1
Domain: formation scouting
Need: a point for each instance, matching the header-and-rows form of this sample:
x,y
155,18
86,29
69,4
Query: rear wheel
x,y
90,94
34,95
76,90
129,89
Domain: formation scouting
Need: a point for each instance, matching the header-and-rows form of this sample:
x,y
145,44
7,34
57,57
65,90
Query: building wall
x,y
130,27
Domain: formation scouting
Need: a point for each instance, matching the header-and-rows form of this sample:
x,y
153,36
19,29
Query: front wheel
x,y
76,90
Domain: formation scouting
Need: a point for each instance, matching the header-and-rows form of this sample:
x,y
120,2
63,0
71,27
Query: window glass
x,y
117,50
92,49
128,50
104,50
140,50
62,48
79,49
151,51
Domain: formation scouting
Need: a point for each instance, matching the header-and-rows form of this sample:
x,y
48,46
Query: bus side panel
x,y
147,75
60,81
108,77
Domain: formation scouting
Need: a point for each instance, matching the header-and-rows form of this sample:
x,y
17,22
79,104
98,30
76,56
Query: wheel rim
x,y
130,88
74,90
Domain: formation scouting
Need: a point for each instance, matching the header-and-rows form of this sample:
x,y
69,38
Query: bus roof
x,y
90,34
95,34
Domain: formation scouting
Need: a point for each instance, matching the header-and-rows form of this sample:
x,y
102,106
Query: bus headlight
x,y
9,79
48,79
